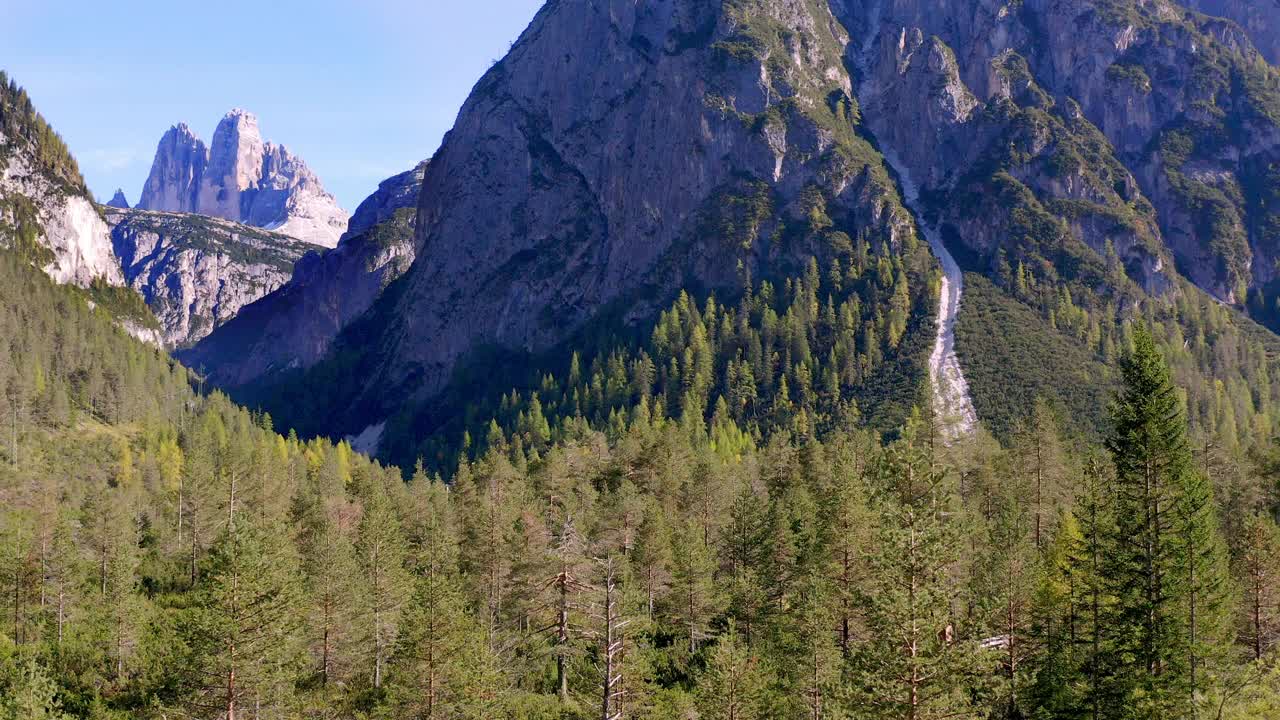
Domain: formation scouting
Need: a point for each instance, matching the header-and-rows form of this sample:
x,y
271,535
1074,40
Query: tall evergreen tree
x,y
240,632
442,667
1163,563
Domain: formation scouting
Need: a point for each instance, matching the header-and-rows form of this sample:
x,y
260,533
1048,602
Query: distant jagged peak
x,y
240,177
119,200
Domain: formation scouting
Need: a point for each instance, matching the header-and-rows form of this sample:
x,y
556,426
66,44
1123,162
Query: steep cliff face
x,y
241,178
1259,18
45,210
1078,154
1185,106
676,147
292,327
174,182
197,272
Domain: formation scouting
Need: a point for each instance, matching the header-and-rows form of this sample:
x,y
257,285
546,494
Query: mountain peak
x,y
242,178
119,200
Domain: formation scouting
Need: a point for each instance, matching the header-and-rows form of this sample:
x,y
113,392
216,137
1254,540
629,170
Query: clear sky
x,y
360,89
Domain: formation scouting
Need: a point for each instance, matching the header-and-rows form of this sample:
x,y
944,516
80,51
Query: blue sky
x,y
360,89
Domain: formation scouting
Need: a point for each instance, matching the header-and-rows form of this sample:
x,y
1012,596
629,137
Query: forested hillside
x,y
164,554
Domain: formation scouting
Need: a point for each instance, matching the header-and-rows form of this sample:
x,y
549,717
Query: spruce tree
x,y
1164,560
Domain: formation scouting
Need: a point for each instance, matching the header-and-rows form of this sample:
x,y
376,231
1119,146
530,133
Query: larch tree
x,y
1258,570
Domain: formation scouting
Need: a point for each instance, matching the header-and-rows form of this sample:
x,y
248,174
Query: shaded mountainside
x,y
621,154
196,272
657,156
292,327
239,177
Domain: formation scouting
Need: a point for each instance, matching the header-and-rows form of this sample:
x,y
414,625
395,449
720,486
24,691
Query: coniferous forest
x,y
732,360
167,554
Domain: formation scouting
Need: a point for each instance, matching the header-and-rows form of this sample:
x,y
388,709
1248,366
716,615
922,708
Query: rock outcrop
x,y
1151,127
197,272
119,200
294,326
241,178
52,219
1259,18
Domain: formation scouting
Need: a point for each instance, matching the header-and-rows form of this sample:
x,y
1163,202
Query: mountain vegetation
x,y
20,121
647,364
167,554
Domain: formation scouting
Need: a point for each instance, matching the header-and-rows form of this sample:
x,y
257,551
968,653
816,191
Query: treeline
x,y
164,559
20,122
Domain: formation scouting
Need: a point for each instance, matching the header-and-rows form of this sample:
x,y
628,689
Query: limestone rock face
x,y
624,150
197,272
585,166
293,327
174,182
1259,18
241,178
1122,111
48,213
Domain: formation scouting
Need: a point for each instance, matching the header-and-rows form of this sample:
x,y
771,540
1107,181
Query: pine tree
x,y
331,572
63,577
650,558
29,694
847,533
442,667
240,631
381,552
693,597
914,664
734,684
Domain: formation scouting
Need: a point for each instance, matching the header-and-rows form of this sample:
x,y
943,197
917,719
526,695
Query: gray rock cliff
x,y
119,200
197,272
241,178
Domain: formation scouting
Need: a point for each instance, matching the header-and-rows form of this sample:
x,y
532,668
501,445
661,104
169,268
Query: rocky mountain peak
x,y
119,200
242,178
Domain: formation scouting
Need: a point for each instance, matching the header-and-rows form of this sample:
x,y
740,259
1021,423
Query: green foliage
x,y
175,538
20,123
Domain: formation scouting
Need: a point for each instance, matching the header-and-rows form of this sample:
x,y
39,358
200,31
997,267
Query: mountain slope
x,y
197,272
292,327
239,177
662,153
45,210
750,153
